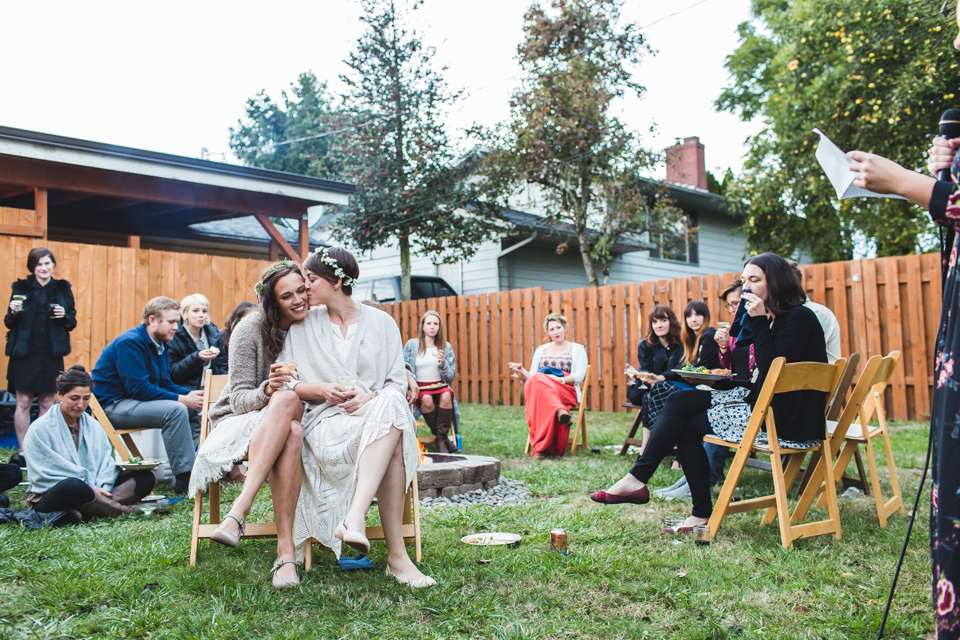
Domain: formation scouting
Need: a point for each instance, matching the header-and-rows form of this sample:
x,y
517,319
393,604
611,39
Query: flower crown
x,y
258,288
331,262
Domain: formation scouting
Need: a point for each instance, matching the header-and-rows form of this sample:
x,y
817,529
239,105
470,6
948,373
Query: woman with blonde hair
x,y
196,347
434,370
552,387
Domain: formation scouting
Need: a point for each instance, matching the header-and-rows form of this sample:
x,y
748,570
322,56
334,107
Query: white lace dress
x,y
333,440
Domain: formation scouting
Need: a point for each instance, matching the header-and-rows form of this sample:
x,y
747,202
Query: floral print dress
x,y
945,427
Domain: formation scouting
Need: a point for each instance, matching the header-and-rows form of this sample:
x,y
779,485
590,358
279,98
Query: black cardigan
x,y
186,367
20,324
658,358
797,336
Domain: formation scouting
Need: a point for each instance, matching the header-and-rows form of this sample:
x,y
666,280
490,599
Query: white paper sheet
x,y
836,165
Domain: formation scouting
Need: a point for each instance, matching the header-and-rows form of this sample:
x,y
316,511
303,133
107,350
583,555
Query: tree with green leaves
x,y
871,75
284,137
411,186
562,136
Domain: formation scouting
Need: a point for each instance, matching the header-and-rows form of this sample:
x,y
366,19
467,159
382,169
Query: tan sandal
x,y
285,583
224,537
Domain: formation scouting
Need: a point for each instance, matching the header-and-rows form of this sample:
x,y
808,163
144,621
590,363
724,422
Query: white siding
x,y
538,265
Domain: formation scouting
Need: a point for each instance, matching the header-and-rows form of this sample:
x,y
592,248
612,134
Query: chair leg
x,y
633,432
833,505
861,472
415,501
780,495
794,465
131,445
815,471
875,483
215,502
308,554
195,535
848,451
726,492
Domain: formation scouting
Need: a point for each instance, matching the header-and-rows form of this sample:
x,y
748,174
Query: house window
x,y
681,244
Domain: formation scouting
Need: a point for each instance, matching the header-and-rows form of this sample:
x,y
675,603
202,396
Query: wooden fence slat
x,y
605,346
483,356
516,347
891,322
915,342
619,348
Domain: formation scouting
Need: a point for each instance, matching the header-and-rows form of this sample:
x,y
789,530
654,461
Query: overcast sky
x,y
174,76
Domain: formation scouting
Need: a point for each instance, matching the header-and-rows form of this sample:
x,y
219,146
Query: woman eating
x,y
70,462
434,370
359,435
781,326
256,416
551,388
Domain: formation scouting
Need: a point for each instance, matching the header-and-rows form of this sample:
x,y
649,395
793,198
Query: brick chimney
x,y
686,164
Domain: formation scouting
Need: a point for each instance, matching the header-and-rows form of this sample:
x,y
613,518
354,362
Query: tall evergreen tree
x,y
411,187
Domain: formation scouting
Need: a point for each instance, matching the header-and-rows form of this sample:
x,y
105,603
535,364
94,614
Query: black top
x,y
186,367
709,355
659,359
32,328
797,336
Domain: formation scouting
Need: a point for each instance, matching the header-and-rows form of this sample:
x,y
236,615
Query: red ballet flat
x,y
640,496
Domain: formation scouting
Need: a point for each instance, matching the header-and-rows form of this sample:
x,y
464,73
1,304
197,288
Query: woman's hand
x,y
16,306
413,389
941,154
59,311
441,358
517,368
103,492
355,400
876,173
208,354
652,379
754,305
722,338
278,378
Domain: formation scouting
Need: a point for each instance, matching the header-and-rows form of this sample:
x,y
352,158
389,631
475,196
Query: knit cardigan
x,y
248,373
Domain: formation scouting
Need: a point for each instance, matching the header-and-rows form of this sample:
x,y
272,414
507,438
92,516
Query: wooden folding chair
x,y
857,431
579,425
781,378
121,439
637,420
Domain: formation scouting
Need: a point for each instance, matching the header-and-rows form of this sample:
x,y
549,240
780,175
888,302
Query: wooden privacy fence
x,y
111,285
882,305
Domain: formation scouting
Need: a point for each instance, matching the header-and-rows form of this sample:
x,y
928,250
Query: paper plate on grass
x,y
489,539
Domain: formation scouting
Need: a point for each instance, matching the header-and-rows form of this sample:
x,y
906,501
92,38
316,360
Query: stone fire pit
x,y
446,475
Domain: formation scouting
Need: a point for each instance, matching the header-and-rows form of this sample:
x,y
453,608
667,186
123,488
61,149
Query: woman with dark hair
x,y
40,318
781,326
431,360
258,415
70,460
239,313
360,438
659,352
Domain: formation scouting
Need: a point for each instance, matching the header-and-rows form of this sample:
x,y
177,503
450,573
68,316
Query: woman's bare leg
x,y
390,499
46,400
269,439
21,416
371,469
285,481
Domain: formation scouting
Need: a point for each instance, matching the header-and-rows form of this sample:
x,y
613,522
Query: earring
x,y
276,314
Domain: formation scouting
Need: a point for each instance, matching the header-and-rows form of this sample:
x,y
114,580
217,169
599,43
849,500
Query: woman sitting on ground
x,y
196,347
434,369
781,326
256,416
551,388
70,462
658,353
360,438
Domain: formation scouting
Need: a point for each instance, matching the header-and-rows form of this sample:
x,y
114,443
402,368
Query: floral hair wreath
x,y
258,288
331,262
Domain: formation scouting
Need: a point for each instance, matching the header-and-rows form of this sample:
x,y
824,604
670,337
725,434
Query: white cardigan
x,y
578,367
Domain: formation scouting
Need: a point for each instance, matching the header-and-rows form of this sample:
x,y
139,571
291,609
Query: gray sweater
x,y
248,373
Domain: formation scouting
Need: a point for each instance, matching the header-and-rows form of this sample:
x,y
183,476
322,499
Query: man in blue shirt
x,y
132,383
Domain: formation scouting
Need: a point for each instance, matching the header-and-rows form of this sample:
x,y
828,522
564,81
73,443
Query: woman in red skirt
x,y
434,365
552,388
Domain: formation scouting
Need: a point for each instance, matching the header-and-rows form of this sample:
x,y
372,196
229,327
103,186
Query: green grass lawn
x,y
623,578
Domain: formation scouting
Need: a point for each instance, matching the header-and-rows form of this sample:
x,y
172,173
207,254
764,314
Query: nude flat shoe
x,y
224,537
285,583
353,538
417,583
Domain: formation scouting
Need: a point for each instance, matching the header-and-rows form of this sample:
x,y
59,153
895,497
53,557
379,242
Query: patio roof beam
x,y
276,237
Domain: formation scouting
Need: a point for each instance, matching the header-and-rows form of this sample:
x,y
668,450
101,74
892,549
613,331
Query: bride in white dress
x,y
359,435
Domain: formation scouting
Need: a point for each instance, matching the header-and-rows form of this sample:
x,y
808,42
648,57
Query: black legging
x,y
73,493
10,476
682,424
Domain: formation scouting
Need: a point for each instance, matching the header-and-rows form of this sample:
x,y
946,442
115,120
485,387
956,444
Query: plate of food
x,y
134,464
489,539
702,373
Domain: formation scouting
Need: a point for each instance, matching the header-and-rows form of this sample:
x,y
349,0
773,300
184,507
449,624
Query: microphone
x,y
949,129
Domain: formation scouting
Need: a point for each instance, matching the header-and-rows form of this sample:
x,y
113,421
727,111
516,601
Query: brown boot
x,y
103,507
444,420
124,494
431,420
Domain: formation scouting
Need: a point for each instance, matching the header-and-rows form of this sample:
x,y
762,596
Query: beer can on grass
x,y
558,541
